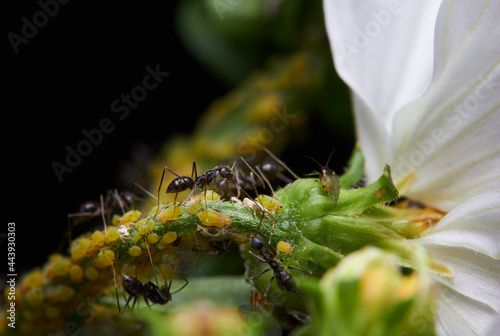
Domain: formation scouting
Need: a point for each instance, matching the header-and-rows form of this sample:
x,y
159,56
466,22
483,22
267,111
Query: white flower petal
x,y
474,275
382,49
474,224
461,315
449,136
375,142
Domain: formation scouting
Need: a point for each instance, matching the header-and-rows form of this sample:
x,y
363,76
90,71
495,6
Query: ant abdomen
x,y
285,281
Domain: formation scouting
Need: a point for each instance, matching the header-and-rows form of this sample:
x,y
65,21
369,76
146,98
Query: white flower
x,y
425,78
433,114
467,241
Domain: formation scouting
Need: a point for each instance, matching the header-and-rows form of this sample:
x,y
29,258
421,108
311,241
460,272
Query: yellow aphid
x,y
34,297
136,237
284,247
58,268
97,238
105,258
153,238
111,235
54,257
195,208
91,273
79,248
115,219
61,293
269,203
34,279
150,225
169,214
168,238
210,196
76,273
130,217
52,312
140,222
210,217
135,251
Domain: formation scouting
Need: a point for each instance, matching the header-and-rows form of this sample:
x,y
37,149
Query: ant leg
x,y
126,304
260,273
269,285
181,287
298,269
159,189
293,255
114,279
194,171
270,240
151,259
267,181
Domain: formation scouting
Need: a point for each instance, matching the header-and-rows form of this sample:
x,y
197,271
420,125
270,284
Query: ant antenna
x,y
145,191
102,213
253,171
281,163
117,197
267,181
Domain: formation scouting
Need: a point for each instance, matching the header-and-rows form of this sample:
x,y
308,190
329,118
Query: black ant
x,y
268,170
90,210
113,200
283,278
330,182
209,178
179,184
150,291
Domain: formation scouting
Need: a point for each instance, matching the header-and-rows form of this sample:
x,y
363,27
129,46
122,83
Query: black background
x,y
63,81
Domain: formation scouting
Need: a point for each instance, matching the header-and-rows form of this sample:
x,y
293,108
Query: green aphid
x,y
330,182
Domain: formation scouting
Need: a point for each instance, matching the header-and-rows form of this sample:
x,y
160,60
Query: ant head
x,y
226,172
256,242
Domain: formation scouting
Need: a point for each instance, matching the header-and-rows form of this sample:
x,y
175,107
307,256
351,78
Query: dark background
x,y
64,80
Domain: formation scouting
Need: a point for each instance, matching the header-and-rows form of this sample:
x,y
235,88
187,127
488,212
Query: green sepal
x,y
355,171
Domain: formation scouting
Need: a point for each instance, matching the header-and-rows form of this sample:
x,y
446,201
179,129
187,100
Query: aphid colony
x,y
127,254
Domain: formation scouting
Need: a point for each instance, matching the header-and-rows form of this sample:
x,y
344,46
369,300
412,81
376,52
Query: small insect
x,y
150,291
179,184
209,178
269,170
283,278
108,205
330,182
91,210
